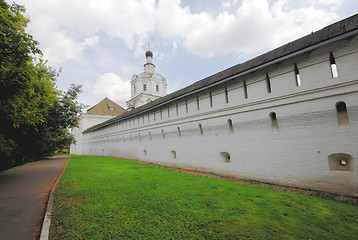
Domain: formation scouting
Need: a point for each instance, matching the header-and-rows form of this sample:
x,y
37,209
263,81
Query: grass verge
x,y
105,198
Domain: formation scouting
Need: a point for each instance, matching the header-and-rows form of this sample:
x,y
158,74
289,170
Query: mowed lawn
x,y
106,198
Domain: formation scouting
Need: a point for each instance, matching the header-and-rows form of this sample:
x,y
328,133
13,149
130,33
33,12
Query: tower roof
x,y
149,54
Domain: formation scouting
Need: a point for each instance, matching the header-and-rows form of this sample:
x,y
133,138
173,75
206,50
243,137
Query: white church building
x,y
289,116
147,86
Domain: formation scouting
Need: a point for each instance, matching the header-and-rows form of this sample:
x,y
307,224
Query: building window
x,y
211,99
177,108
297,76
168,112
186,106
226,95
150,136
274,122
174,154
342,115
157,88
163,134
161,114
197,102
201,129
134,90
268,83
145,152
226,157
245,90
179,132
334,70
144,87
231,127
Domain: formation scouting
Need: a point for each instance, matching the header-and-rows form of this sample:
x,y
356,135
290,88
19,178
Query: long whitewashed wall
x,y
263,125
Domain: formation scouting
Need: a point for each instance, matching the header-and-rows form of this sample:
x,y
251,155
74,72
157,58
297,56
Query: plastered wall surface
x,y
278,131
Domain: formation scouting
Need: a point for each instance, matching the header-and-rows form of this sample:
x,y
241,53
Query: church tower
x,y
148,85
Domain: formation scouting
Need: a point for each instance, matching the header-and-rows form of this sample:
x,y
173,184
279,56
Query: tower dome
x,y
149,54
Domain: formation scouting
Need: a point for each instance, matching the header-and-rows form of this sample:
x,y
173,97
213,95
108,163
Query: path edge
x,y
45,230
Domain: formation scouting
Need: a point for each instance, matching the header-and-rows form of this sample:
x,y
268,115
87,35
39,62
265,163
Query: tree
x,y
34,114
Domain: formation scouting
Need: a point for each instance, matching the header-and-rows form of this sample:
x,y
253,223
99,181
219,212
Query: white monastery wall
x,y
201,130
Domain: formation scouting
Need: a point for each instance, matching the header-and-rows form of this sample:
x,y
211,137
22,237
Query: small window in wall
x,y
150,136
174,154
231,127
154,118
225,157
161,114
268,83
274,122
145,152
197,102
168,112
245,90
186,106
334,70
297,76
163,134
211,99
341,162
226,95
144,87
179,132
157,88
177,108
201,129
342,115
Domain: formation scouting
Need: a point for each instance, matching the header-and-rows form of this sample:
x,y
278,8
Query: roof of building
x,y
106,107
342,29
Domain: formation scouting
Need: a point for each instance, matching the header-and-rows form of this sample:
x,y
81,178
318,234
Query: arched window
x,y
231,127
225,157
274,122
342,115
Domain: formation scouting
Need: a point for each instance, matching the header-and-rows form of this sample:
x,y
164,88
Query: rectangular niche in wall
x,y
341,162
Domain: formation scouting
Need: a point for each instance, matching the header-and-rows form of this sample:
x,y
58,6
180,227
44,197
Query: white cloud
x,y
112,86
90,41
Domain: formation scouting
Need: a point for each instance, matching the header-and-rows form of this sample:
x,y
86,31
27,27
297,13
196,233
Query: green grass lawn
x,y
105,198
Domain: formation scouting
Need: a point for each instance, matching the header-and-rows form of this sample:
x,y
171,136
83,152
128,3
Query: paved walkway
x,y
24,193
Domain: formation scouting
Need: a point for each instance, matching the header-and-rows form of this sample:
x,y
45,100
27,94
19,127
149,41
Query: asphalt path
x,y
24,193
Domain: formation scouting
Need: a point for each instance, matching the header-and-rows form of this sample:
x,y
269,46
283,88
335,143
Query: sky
x,y
101,44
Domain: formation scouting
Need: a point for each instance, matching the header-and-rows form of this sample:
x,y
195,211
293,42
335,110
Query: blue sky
x,y
100,44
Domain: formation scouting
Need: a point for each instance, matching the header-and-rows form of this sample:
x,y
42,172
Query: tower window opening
x,y
161,113
342,115
186,106
334,70
177,108
231,127
268,83
226,95
144,87
245,90
157,88
201,129
197,102
297,76
168,111
274,122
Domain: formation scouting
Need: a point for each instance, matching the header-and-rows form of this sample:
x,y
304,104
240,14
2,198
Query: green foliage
x,y
34,115
104,198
